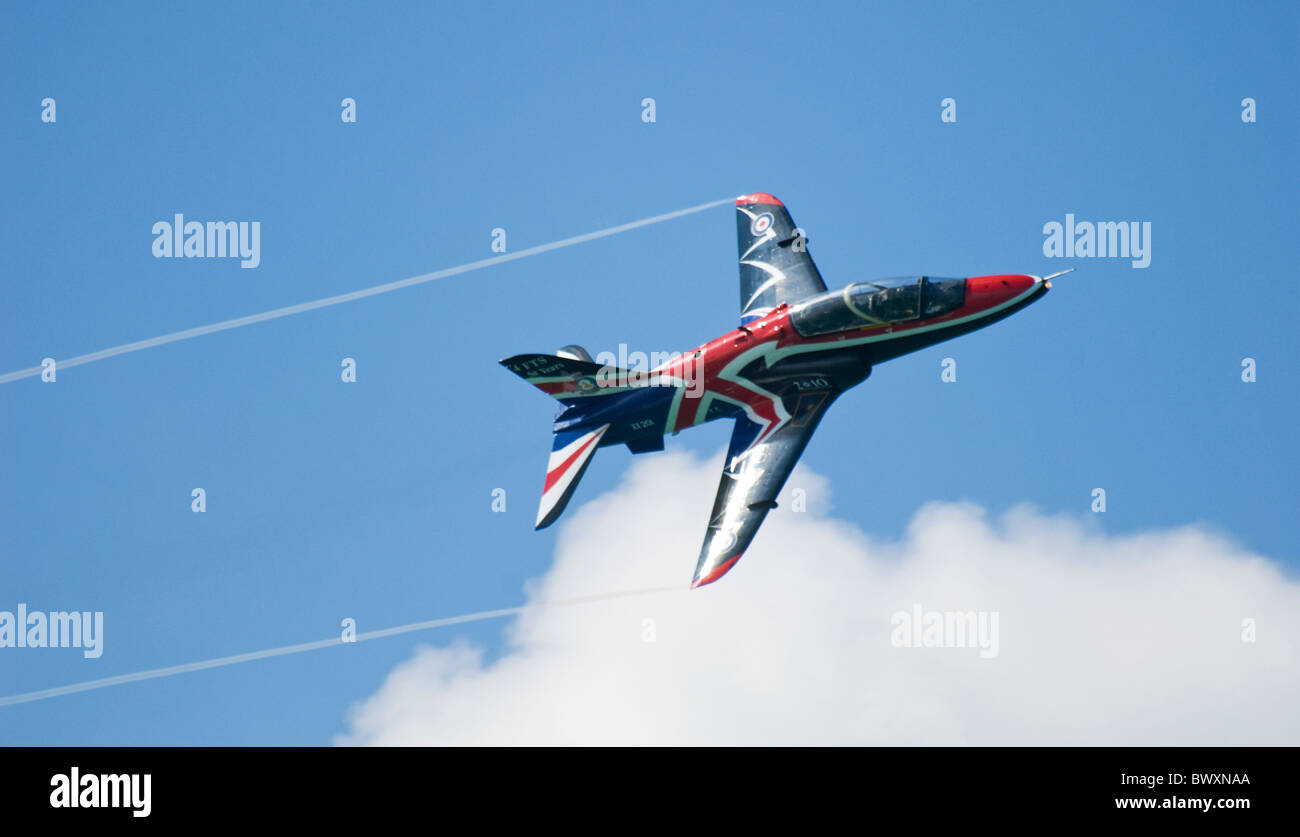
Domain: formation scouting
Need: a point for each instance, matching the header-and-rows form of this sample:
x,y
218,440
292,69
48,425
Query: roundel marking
x,y
761,224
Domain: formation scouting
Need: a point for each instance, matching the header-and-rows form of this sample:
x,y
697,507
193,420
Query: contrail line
x,y
289,310
185,668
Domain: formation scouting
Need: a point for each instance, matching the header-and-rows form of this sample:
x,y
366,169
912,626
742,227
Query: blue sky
x,y
373,500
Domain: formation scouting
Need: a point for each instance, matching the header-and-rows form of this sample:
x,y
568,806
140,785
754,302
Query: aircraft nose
x,y
994,290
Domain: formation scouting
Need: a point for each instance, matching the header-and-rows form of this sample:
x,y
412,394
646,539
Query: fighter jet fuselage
x,y
798,348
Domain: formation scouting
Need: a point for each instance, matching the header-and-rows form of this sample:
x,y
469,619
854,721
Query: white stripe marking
x,y
776,275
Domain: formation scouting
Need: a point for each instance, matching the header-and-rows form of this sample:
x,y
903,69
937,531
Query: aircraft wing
x,y
775,266
752,476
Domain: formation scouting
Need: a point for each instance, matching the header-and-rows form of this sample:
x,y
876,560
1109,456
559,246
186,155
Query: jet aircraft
x,y
797,348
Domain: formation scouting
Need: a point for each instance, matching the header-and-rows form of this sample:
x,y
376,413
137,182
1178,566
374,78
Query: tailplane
x,y
571,453
571,377
568,375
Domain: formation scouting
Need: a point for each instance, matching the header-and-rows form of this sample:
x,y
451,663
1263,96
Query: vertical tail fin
x,y
775,265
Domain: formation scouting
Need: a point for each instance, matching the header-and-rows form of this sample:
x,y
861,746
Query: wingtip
x,y
758,197
716,573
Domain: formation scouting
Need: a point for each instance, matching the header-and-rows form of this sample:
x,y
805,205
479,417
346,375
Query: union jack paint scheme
x,y
798,347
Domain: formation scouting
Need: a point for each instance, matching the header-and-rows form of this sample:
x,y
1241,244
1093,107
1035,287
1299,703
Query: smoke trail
x,y
185,668
289,310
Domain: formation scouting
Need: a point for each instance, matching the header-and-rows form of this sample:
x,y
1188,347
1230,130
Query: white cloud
x,y
1103,639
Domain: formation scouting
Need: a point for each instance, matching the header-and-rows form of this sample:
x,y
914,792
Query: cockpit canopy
x,y
865,304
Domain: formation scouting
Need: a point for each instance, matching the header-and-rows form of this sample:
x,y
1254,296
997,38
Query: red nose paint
x,y
987,291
